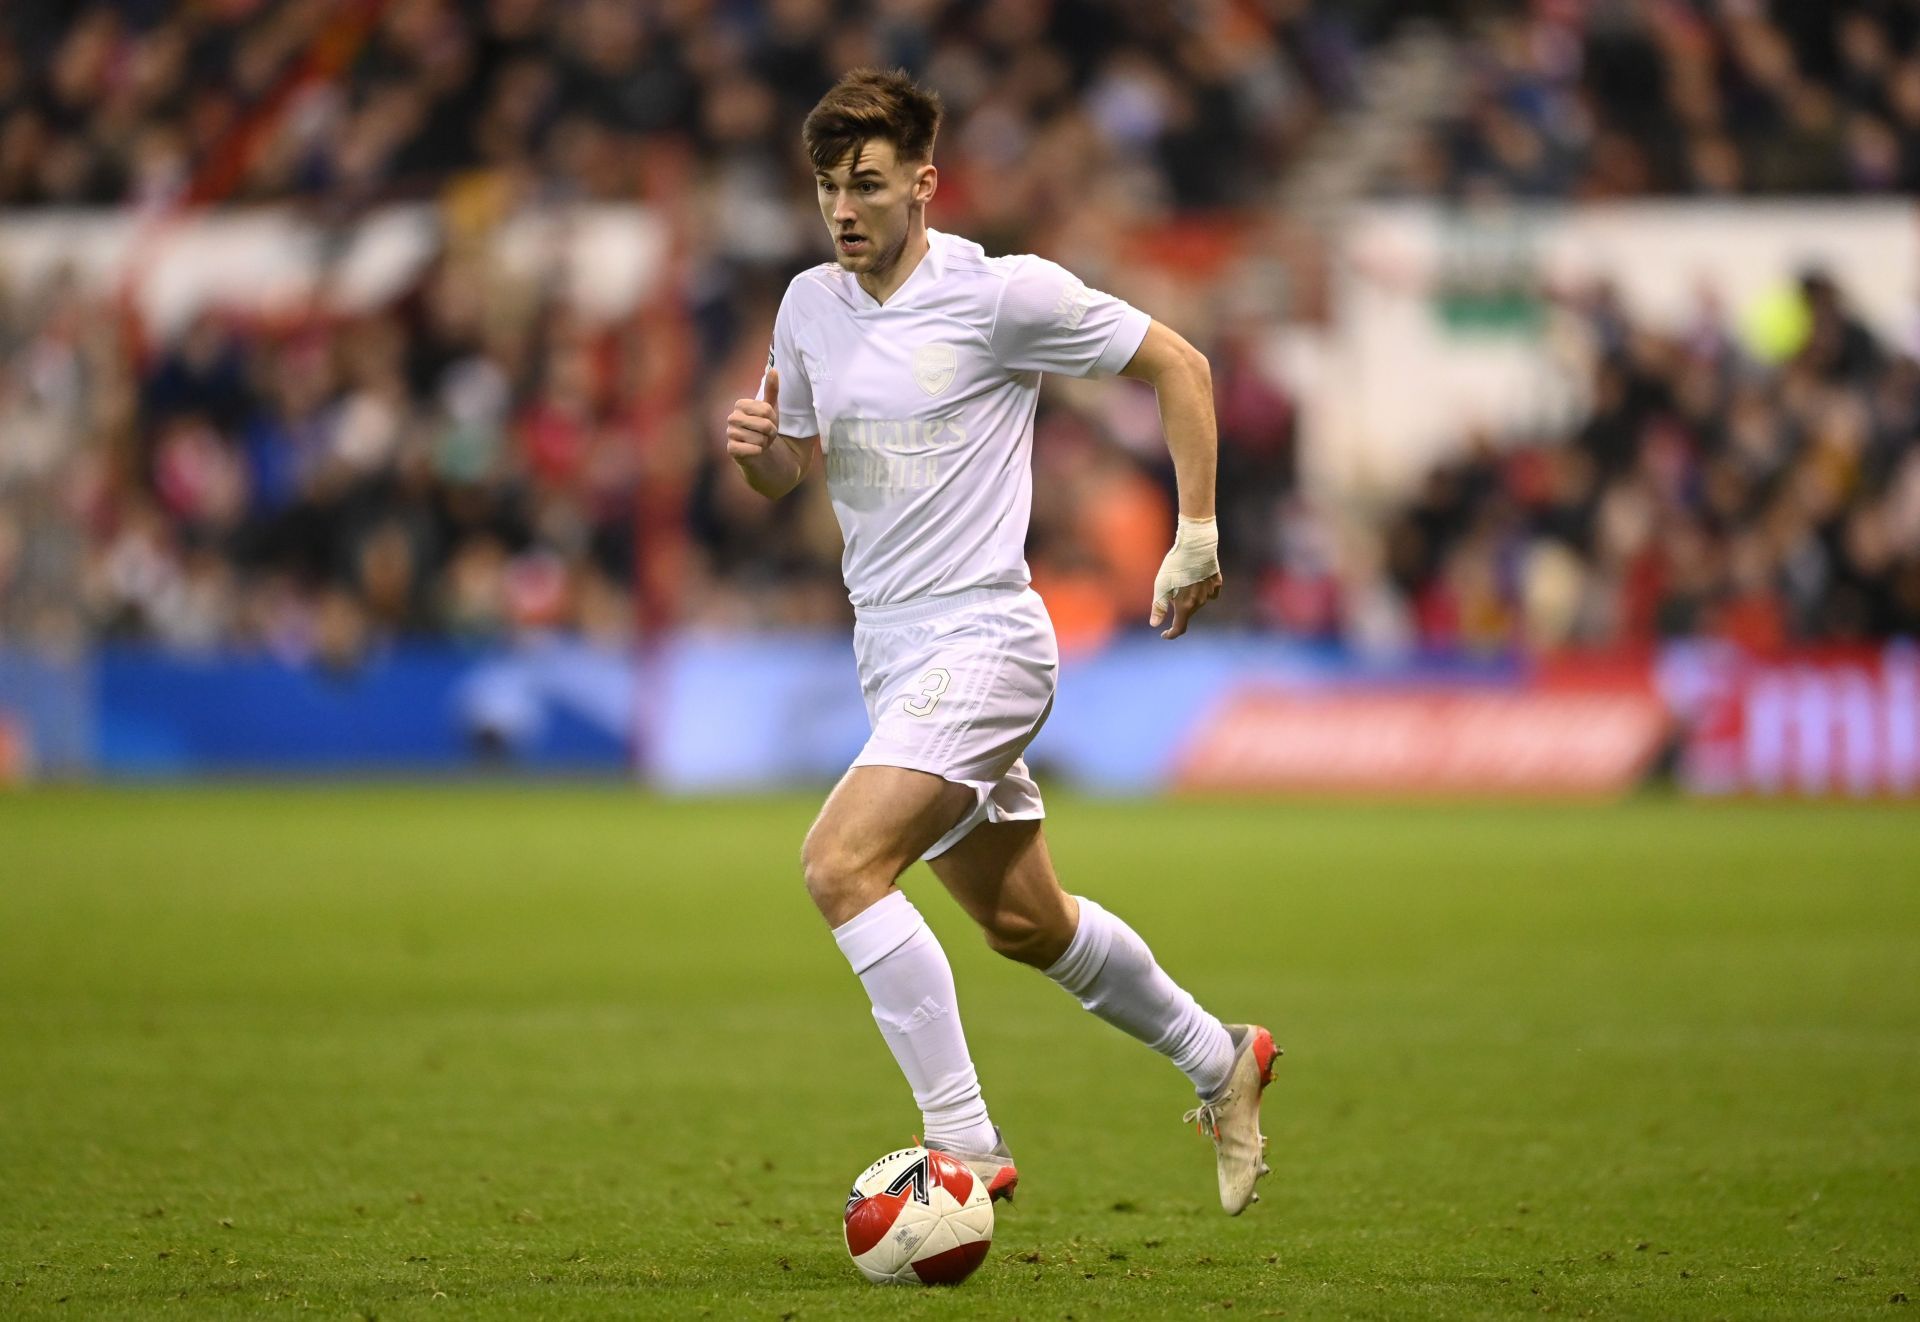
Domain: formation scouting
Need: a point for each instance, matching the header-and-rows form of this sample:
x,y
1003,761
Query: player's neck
x,y
884,285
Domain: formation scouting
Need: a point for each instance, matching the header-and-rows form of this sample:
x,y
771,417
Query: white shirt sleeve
x,y
1048,321
797,417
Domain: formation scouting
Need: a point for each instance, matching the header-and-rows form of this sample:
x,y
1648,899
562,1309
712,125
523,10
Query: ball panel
x,y
952,1266
892,1253
870,1219
978,1218
940,1238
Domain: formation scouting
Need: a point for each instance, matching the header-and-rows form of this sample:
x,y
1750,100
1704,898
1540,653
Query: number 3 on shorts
x,y
932,685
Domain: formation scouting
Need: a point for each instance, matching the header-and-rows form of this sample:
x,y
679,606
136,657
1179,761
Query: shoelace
x,y
1205,1118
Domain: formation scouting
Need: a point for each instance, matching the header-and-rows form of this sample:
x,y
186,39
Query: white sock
x,y
1110,971
910,983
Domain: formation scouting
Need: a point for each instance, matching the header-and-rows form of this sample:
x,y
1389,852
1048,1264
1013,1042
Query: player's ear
x,y
925,180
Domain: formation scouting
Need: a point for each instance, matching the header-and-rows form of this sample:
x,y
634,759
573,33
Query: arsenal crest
x,y
933,367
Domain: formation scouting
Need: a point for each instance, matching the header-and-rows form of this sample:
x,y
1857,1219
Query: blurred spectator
x,y
1706,495
1585,99
478,458
483,458
341,101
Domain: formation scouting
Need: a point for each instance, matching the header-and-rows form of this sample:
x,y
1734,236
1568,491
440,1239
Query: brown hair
x,y
869,103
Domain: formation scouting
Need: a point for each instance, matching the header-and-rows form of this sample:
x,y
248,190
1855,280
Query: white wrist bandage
x,y
1195,557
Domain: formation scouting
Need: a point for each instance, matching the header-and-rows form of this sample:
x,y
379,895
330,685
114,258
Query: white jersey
x,y
924,407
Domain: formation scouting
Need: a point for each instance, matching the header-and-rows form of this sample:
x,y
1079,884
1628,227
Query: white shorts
x,y
958,686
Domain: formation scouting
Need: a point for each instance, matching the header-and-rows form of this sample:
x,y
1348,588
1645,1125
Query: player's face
x,y
868,201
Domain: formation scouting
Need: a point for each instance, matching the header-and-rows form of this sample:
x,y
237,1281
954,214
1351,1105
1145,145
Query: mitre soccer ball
x,y
918,1217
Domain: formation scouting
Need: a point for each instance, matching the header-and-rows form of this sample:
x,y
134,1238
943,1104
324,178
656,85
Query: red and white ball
x,y
918,1217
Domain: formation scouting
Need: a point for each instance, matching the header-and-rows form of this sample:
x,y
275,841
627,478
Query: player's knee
x,y
835,877
818,867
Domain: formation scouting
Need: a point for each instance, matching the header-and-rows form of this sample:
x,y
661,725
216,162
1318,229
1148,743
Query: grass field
x,y
491,1052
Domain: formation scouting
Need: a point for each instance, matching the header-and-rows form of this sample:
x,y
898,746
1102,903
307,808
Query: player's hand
x,y
1189,577
754,423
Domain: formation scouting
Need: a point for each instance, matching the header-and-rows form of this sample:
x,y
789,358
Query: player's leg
x,y
1001,874
874,825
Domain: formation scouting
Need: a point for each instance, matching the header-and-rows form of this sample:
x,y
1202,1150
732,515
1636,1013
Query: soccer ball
x,y
916,1216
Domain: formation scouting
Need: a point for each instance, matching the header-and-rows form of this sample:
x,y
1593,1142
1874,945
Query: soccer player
x,y
912,362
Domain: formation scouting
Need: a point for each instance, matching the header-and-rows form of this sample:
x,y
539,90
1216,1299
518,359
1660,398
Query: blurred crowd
x,y
1709,494
1717,98
145,102
478,458
316,486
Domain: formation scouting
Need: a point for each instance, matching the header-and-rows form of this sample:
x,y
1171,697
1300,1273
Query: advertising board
x,y
1834,721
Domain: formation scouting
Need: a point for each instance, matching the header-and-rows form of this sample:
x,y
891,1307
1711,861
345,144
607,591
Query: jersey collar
x,y
931,268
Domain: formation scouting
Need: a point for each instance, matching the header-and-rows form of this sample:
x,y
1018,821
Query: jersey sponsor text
x,y
888,454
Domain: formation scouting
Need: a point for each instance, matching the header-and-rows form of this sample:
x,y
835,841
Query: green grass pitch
x,y
575,1052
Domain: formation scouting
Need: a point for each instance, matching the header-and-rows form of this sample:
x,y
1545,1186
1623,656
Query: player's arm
x,y
772,463
1181,378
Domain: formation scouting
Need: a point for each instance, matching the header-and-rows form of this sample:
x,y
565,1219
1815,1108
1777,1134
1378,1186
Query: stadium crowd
x,y
1604,100
479,458
338,101
1708,493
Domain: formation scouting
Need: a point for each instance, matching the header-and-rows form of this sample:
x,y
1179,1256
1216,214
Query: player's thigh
x,y
1002,875
875,824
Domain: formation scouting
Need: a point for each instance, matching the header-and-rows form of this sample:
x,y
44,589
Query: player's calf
x,y
910,984
1034,940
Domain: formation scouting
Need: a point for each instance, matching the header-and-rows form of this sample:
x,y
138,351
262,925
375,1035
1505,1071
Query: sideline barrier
x,y
13,750
46,717
1425,743
1834,721
1213,714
